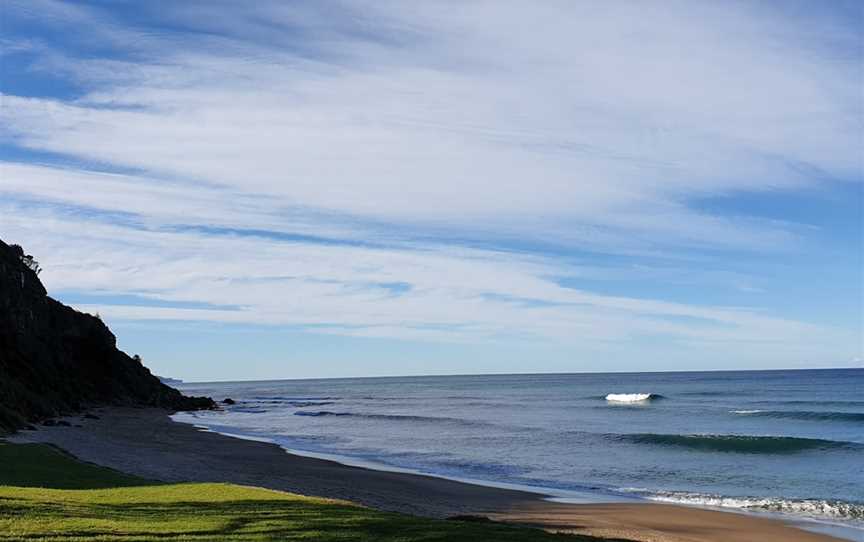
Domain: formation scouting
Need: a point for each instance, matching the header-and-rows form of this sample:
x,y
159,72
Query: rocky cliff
x,y
56,360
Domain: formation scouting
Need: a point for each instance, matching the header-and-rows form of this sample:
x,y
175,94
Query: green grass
x,y
39,465
48,495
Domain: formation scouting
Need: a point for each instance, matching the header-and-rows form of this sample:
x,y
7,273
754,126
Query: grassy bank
x,y
47,495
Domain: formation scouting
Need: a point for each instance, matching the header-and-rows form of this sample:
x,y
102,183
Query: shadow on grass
x,y
258,520
42,465
193,512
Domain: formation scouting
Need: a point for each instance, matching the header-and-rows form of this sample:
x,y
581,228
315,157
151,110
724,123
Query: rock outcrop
x,y
55,360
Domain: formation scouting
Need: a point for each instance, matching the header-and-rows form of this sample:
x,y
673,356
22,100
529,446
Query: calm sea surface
x,y
780,441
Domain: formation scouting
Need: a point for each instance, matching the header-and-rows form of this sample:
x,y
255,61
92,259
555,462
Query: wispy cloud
x,y
463,118
446,294
292,160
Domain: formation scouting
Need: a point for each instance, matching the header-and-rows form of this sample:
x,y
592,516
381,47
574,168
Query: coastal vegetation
x,y
48,495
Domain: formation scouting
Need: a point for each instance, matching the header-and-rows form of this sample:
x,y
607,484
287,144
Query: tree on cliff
x,y
27,259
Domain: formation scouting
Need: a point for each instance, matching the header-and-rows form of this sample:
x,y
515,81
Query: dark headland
x,y
55,360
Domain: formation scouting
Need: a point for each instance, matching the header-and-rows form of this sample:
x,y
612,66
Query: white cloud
x,y
448,294
510,117
590,125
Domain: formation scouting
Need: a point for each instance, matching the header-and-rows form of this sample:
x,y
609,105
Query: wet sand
x,y
147,443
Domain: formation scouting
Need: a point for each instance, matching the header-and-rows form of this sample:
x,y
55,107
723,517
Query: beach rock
x,y
49,423
229,401
55,360
64,423
91,416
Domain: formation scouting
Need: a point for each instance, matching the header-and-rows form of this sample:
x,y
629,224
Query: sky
x,y
361,188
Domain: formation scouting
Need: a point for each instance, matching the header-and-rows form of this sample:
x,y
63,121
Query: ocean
x,y
782,442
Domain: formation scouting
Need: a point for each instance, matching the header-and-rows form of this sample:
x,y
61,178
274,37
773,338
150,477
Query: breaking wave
x,y
633,397
815,508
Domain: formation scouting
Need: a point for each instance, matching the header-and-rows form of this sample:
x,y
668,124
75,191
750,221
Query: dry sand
x,y
147,443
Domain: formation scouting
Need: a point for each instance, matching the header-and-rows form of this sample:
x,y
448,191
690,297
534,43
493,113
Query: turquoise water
x,y
789,442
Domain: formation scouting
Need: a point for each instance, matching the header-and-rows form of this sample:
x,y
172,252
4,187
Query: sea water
x,y
788,442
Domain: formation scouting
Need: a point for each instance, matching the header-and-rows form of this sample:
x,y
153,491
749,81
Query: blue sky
x,y
304,189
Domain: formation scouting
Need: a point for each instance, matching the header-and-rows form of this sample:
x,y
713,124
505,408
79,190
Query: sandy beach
x,y
147,443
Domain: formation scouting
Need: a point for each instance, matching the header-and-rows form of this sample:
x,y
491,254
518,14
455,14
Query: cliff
x,y
55,360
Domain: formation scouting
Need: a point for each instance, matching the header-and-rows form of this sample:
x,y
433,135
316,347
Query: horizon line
x,y
454,375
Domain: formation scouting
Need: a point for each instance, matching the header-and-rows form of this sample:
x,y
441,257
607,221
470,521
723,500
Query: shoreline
x,y
552,494
148,443
556,495
561,496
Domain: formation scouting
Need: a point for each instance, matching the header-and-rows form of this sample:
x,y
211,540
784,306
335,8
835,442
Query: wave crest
x,y
632,397
815,415
738,443
436,420
316,413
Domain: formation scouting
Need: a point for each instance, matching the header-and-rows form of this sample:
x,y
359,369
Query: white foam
x,y
814,508
745,411
628,397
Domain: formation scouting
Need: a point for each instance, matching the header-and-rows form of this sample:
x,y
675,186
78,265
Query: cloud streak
x,y
445,294
598,120
294,160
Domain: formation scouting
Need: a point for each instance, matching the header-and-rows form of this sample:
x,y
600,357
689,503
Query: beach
x,y
147,443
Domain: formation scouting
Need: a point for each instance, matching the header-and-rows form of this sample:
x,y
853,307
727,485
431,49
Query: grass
x,y
48,495
40,465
